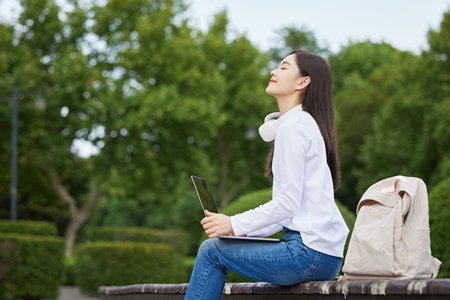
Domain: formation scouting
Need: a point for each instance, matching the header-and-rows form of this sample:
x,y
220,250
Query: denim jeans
x,y
284,263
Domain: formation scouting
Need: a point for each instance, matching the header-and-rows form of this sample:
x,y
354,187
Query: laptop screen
x,y
204,194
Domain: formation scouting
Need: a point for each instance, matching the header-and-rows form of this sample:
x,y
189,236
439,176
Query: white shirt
x,y
302,193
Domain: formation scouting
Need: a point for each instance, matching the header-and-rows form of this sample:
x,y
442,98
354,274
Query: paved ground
x,y
72,293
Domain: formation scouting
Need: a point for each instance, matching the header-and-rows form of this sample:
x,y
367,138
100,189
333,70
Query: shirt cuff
x,y
236,228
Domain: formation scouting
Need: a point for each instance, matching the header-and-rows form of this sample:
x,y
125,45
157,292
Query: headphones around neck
x,y
268,130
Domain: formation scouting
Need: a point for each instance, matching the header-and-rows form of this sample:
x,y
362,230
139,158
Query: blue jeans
x,y
284,263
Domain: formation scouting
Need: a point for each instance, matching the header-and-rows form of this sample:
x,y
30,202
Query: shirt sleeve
x,y
288,168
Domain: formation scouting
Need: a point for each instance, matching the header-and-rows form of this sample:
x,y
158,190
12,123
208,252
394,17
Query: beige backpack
x,y
391,236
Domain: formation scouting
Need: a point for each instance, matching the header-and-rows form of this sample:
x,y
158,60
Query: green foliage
x,y
189,263
69,270
28,227
125,263
158,100
248,201
362,58
359,69
392,112
410,133
384,153
422,127
31,266
175,238
193,106
349,217
439,216
295,38
437,59
20,69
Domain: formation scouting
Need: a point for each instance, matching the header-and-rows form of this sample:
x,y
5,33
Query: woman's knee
x,y
208,247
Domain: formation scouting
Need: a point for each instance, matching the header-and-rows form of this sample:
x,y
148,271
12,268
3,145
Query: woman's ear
x,y
303,83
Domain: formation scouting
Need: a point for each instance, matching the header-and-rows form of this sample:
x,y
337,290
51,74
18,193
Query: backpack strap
x,y
406,205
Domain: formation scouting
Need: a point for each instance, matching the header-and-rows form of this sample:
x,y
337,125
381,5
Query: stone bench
x,y
358,289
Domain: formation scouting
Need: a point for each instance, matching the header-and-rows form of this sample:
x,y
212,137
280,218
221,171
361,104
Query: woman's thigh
x,y
284,263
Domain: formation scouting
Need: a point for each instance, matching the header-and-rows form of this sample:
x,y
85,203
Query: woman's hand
x,y
216,224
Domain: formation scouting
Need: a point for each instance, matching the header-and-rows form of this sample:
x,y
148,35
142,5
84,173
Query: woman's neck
x,y
286,104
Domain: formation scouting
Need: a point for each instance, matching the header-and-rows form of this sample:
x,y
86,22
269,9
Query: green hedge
x,y
69,270
257,198
125,263
177,238
30,266
28,227
249,201
439,216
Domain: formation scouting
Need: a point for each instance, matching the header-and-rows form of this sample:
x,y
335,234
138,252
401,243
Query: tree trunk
x,y
227,194
78,216
71,234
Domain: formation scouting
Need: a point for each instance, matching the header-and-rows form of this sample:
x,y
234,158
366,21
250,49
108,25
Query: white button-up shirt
x,y
302,193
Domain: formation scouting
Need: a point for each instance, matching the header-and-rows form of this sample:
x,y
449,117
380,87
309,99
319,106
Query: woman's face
x,y
285,79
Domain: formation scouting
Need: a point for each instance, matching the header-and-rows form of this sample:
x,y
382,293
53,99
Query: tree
x,y
365,76
54,67
82,102
136,83
293,38
411,132
22,69
236,152
225,77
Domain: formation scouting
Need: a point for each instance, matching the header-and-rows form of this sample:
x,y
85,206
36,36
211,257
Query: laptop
x,y
207,203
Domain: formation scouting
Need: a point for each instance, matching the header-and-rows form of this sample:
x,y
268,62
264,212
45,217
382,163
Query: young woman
x,y
304,166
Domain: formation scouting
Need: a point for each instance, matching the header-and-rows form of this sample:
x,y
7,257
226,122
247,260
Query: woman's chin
x,y
269,91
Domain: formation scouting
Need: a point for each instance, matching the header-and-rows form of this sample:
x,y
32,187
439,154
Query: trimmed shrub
x,y
28,227
69,270
177,238
257,198
125,263
30,266
349,217
189,263
439,217
249,201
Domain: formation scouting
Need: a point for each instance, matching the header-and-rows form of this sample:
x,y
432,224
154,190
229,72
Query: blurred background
x,y
107,107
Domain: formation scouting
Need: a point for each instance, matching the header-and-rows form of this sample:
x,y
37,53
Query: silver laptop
x,y
207,202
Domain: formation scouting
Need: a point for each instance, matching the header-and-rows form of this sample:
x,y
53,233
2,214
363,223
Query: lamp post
x,y
39,104
14,118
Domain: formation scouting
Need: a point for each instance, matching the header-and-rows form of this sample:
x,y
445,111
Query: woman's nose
x,y
272,73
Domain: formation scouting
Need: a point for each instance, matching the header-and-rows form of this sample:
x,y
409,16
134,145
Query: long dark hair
x,y
318,102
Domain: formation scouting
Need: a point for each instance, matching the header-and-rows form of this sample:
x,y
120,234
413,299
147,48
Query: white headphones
x,y
268,130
